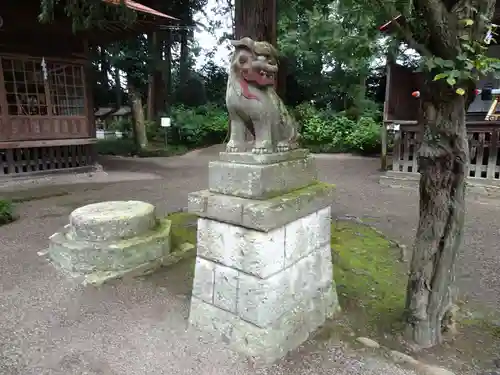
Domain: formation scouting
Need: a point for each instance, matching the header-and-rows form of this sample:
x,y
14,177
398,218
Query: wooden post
x,y
5,130
383,143
88,92
383,131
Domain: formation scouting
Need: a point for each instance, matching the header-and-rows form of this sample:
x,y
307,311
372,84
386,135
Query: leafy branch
x,y
471,62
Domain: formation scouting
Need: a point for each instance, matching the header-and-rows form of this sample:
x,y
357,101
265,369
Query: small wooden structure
x,y
400,114
46,107
123,113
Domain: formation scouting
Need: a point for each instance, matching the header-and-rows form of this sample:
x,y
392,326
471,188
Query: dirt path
x,y
50,325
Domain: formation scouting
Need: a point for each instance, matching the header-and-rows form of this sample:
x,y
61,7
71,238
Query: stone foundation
x,y
263,277
111,239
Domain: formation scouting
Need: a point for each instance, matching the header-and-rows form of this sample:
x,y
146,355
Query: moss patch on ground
x,y
371,283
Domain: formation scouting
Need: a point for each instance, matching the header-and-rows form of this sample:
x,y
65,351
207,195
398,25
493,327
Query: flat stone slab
x,y
260,181
113,220
259,159
262,215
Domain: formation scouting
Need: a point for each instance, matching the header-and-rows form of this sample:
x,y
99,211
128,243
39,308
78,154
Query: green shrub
x,y
365,137
197,127
119,147
326,131
6,212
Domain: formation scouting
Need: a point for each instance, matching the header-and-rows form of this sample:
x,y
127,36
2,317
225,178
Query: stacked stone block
x,y
263,277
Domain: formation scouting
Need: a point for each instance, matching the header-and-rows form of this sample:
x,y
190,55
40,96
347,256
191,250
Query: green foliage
x,y
191,127
365,137
121,147
6,212
325,131
199,126
122,125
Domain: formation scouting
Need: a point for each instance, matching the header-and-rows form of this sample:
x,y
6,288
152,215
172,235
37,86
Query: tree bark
x,y
152,41
168,68
443,160
156,89
138,115
158,77
256,19
183,58
118,88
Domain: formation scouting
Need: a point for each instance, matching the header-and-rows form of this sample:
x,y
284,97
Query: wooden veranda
x,y
46,107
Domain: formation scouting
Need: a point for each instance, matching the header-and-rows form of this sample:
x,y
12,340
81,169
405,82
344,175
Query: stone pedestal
x,y
263,278
108,240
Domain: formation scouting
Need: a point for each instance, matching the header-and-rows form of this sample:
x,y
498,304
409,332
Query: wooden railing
x,y
484,147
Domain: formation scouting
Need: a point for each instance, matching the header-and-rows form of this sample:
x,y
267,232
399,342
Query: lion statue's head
x,y
255,62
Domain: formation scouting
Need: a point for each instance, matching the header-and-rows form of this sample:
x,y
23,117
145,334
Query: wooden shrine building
x,y
400,118
46,107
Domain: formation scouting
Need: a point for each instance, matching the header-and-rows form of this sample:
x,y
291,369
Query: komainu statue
x,y
253,103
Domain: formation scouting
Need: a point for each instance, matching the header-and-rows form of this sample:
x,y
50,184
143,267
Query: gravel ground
x,y
50,325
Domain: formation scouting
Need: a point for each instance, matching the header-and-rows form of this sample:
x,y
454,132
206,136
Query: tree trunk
x,y
443,160
158,77
138,115
183,59
258,20
152,41
167,48
118,88
156,97
105,67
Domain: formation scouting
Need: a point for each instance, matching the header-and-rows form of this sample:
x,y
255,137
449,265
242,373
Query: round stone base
x,y
86,257
113,220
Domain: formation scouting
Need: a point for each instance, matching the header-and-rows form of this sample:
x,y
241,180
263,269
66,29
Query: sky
x,y
207,41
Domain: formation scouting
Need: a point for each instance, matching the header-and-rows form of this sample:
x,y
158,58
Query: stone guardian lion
x,y
253,103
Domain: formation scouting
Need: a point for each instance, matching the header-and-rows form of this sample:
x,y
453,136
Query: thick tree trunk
x,y
156,89
118,88
443,160
138,115
257,20
152,41
183,59
167,48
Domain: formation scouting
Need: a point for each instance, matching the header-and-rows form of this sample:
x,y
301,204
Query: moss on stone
x,y
183,229
302,195
317,187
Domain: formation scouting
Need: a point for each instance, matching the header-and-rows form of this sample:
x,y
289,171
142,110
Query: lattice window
x,y
67,89
56,89
25,89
